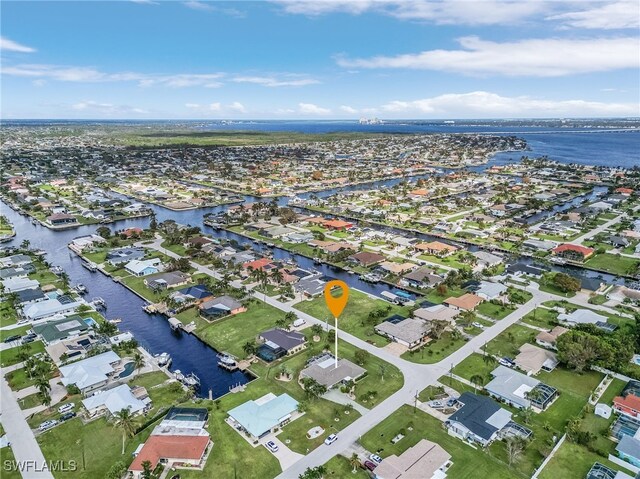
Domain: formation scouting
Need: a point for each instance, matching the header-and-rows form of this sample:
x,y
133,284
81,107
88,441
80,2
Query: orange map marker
x,y
336,305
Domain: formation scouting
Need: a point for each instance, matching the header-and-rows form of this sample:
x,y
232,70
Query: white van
x,y
298,322
66,407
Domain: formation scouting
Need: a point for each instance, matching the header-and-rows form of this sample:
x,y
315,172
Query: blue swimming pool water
x,y
90,322
128,369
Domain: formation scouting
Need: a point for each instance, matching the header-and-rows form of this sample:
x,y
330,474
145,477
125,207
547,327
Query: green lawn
x,y
9,464
8,315
5,333
615,264
475,365
340,467
541,317
495,311
467,462
436,350
18,379
10,356
574,461
354,319
508,342
30,401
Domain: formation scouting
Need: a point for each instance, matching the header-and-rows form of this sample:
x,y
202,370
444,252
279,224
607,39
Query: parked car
x,y
506,362
66,407
272,446
29,338
375,458
477,325
298,322
451,402
370,465
436,404
331,438
67,416
12,338
48,424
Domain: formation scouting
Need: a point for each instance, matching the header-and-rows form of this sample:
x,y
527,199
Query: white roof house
x,y
582,316
490,291
11,285
47,308
90,373
143,267
115,400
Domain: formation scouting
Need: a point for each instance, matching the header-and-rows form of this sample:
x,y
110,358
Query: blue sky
x,y
320,59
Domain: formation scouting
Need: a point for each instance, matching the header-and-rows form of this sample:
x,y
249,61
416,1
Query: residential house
x,y
421,278
264,415
573,252
582,316
437,312
29,296
323,369
410,332
480,419
425,460
366,258
15,260
219,307
143,267
628,402
628,450
436,248
91,373
487,259
192,294
277,343
533,359
170,279
13,285
336,224
114,400
61,329
548,339
61,219
50,307
488,291
466,302
519,390
124,255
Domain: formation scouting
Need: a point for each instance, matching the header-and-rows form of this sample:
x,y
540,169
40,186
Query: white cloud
x,y
92,107
470,12
237,107
92,75
215,107
531,57
270,81
348,109
311,109
192,105
196,5
11,46
482,104
607,16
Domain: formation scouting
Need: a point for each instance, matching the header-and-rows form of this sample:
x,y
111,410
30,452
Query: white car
x,y
66,408
375,458
272,446
47,425
331,439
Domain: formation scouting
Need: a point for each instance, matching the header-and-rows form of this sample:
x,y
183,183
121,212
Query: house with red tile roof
x,y
467,302
264,264
624,191
437,248
629,404
174,451
573,252
337,224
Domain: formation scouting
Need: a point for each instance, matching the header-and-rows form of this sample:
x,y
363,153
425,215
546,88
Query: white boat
x,y
175,324
99,303
178,375
81,288
191,380
164,359
226,360
115,321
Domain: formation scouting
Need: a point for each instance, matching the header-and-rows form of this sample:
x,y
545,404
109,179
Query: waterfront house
x,y
170,279
425,460
192,294
13,285
61,219
338,225
219,307
277,342
18,272
53,331
436,248
50,307
259,417
366,258
143,267
123,255
29,296
421,278
323,369
573,252
15,260
91,373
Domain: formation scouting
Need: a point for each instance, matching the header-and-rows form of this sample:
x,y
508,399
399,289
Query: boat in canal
x,y
81,288
176,324
90,266
163,359
227,361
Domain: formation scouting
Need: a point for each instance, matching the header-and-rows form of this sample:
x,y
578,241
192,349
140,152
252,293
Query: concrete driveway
x,y
284,455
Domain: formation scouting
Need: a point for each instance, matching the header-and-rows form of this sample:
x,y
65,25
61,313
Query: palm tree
x,y
277,276
476,380
383,369
354,461
123,419
138,361
249,348
25,244
316,329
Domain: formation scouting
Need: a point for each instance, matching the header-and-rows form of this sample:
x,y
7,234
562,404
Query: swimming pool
x,y
128,369
90,322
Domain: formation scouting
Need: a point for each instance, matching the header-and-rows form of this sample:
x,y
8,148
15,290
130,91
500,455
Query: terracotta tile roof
x,y
630,401
466,301
257,264
173,447
573,247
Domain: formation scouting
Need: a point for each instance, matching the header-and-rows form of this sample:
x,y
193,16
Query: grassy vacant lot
x,y
475,365
541,317
22,330
8,314
7,459
10,356
572,460
508,342
495,311
467,461
231,333
340,467
615,264
231,138
435,350
354,319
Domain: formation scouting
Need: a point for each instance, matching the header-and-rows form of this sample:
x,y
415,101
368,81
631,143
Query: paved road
x,y
25,447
